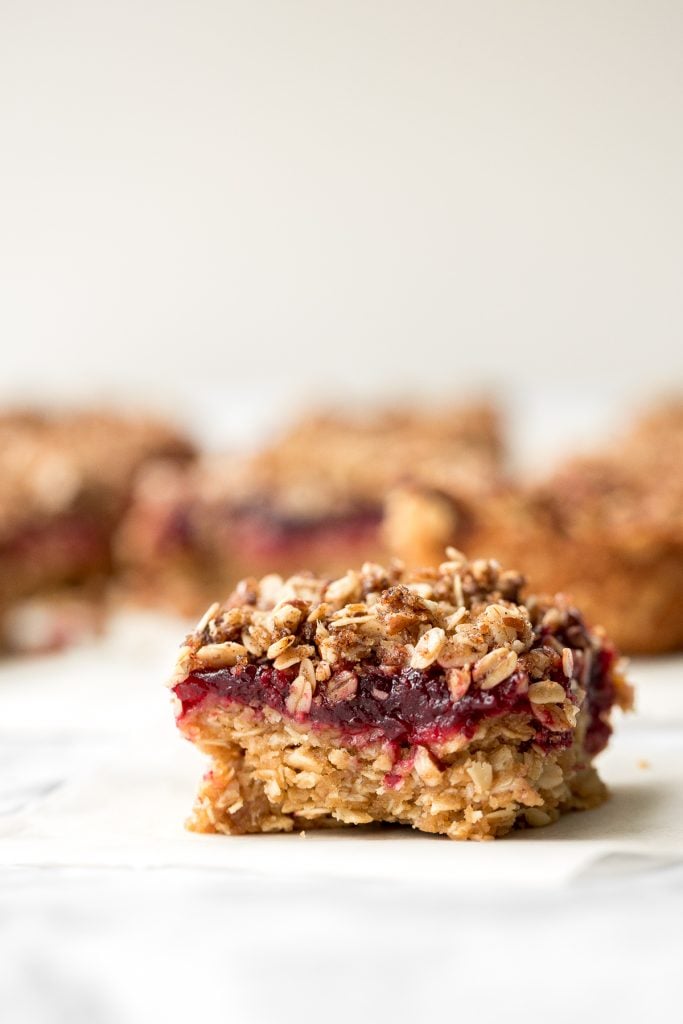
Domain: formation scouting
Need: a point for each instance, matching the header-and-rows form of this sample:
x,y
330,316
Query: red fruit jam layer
x,y
63,548
266,534
256,533
407,707
594,671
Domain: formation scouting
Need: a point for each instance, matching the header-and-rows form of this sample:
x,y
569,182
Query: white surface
x,y
359,195
104,893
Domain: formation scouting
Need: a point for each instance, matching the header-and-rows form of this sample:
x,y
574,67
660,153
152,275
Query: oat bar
x,y
312,498
437,698
606,528
65,482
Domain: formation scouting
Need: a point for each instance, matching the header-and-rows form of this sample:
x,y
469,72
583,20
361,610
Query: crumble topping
x,y
631,492
605,528
329,459
50,465
65,481
334,466
467,619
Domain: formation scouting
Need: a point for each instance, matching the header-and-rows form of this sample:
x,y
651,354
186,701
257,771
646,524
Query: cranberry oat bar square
x,y
438,698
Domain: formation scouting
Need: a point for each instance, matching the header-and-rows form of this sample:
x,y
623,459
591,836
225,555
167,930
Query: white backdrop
x,y
220,199
350,193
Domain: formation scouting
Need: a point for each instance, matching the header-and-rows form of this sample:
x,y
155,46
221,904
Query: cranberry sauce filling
x,y
600,697
175,530
406,707
594,671
265,532
68,542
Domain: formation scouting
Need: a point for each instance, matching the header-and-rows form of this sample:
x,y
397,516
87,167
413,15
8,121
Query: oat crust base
x,y
269,775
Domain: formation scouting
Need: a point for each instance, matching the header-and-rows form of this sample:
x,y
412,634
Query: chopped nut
x,y
463,648
397,622
319,613
458,680
506,625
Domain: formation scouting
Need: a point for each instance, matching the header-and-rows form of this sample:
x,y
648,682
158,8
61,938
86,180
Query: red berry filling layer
x,y
65,547
407,707
259,533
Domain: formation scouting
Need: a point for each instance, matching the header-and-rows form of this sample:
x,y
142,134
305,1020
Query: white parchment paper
x,y
94,774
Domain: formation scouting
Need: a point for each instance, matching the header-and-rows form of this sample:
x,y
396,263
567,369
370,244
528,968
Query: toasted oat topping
x,y
468,618
52,464
335,465
630,491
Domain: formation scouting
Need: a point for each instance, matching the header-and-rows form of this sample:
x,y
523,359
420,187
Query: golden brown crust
x,y
65,482
269,775
276,769
51,465
328,462
635,593
606,529
311,498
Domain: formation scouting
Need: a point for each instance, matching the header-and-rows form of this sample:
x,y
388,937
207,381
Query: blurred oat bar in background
x,y
314,497
606,528
65,482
